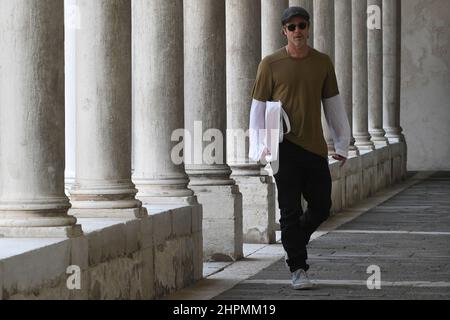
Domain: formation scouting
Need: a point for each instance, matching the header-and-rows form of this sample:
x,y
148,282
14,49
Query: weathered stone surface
x,y
353,189
198,255
369,181
79,252
218,245
425,75
24,273
258,208
158,100
335,170
197,217
115,279
107,244
103,94
360,76
182,222
272,38
32,196
126,260
336,195
146,238
148,272
162,227
383,175
222,221
174,267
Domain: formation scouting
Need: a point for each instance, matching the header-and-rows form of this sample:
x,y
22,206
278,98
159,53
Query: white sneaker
x,y
300,280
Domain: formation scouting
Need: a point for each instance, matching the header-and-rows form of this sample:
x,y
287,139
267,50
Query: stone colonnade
x,y
145,69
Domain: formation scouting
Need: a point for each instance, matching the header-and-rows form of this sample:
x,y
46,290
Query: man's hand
x,y
339,158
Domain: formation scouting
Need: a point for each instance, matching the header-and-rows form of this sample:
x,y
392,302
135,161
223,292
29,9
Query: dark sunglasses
x,y
301,26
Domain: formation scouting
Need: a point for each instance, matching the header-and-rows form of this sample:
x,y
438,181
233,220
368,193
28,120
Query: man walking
x,y
301,78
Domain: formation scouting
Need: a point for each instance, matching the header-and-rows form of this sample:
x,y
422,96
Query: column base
x,y
222,221
147,200
365,146
258,206
394,135
353,153
104,196
165,192
363,142
398,139
380,143
41,232
130,213
252,169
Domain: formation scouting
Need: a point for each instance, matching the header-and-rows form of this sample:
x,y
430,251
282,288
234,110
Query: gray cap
x,y
291,12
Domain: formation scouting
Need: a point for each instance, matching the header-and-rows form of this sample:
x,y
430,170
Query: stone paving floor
x,y
404,230
407,237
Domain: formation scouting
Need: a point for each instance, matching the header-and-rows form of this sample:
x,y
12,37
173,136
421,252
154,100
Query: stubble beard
x,y
300,44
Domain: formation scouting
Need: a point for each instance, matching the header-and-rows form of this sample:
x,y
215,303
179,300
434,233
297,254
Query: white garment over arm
x,y
338,124
275,118
256,130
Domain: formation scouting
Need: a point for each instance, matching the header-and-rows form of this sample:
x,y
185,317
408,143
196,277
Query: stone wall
x,y
425,87
365,175
118,259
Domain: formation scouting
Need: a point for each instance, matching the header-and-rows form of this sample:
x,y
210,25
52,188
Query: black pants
x,y
301,172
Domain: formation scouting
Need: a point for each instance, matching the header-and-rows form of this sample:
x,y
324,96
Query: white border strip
x,y
393,232
422,284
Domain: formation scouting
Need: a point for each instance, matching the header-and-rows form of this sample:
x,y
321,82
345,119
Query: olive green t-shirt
x,y
300,85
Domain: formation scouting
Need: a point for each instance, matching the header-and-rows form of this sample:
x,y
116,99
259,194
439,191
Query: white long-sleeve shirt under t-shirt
x,y
263,128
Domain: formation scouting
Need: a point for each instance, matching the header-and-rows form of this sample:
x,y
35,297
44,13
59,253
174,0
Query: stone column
x,y
375,72
205,121
324,27
71,24
243,56
343,59
158,101
391,87
391,71
324,42
360,98
309,6
32,198
272,36
103,184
